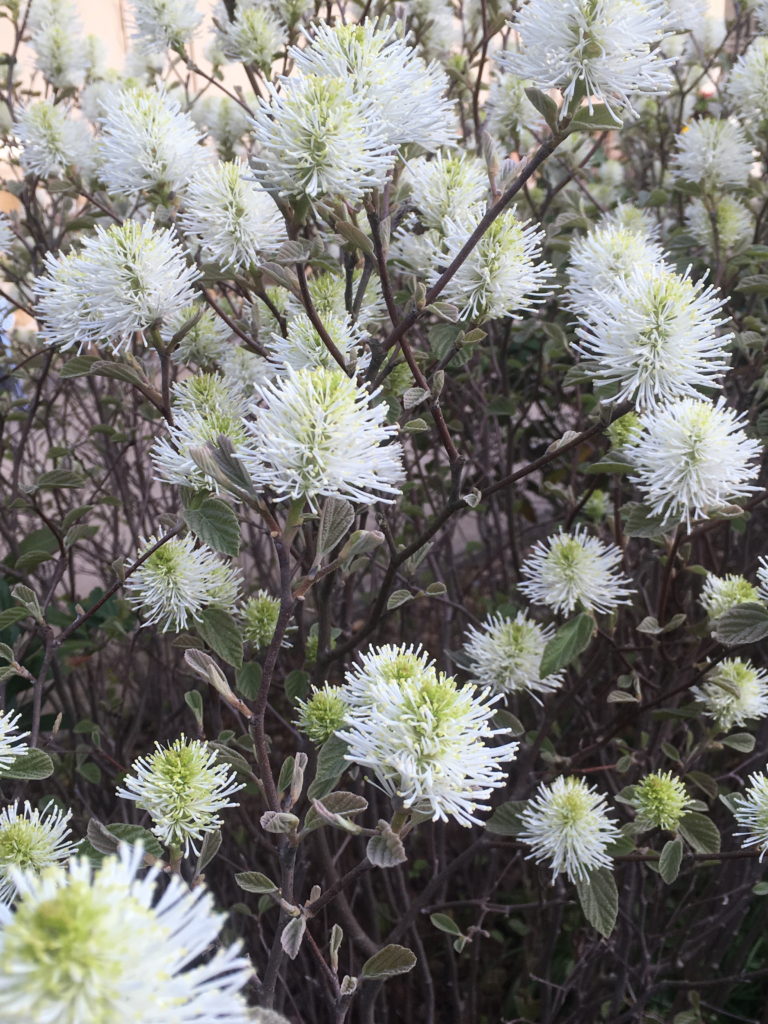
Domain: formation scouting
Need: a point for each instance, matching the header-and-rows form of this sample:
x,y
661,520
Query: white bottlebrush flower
x,y
751,813
569,570
205,409
87,944
236,222
726,227
423,736
12,743
721,593
148,142
567,824
747,84
123,281
182,787
439,187
407,95
254,36
655,337
304,348
692,457
52,140
31,840
56,38
510,116
505,655
603,258
178,581
319,436
503,275
733,692
713,152
160,24
609,45
318,137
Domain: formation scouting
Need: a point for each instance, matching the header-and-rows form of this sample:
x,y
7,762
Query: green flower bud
x,y
322,713
260,614
660,801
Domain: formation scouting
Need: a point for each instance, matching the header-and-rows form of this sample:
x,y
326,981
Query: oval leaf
x,y
599,899
388,962
567,643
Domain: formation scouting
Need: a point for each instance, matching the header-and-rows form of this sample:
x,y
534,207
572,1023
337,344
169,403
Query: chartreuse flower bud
x,y
322,713
660,801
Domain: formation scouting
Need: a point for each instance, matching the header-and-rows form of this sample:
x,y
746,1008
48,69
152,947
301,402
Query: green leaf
x,y
208,850
567,643
254,881
638,522
599,119
249,680
385,849
56,478
222,634
599,899
742,741
296,684
397,598
194,701
505,820
445,924
10,616
330,765
80,366
117,371
341,803
279,822
35,764
31,559
134,834
388,962
670,860
80,531
292,936
214,522
545,105
744,624
700,832
336,519
355,237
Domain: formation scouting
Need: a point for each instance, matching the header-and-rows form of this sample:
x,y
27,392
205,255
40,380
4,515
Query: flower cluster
x,y
182,787
332,130
178,580
573,569
422,735
124,281
567,825
505,655
84,945
608,46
